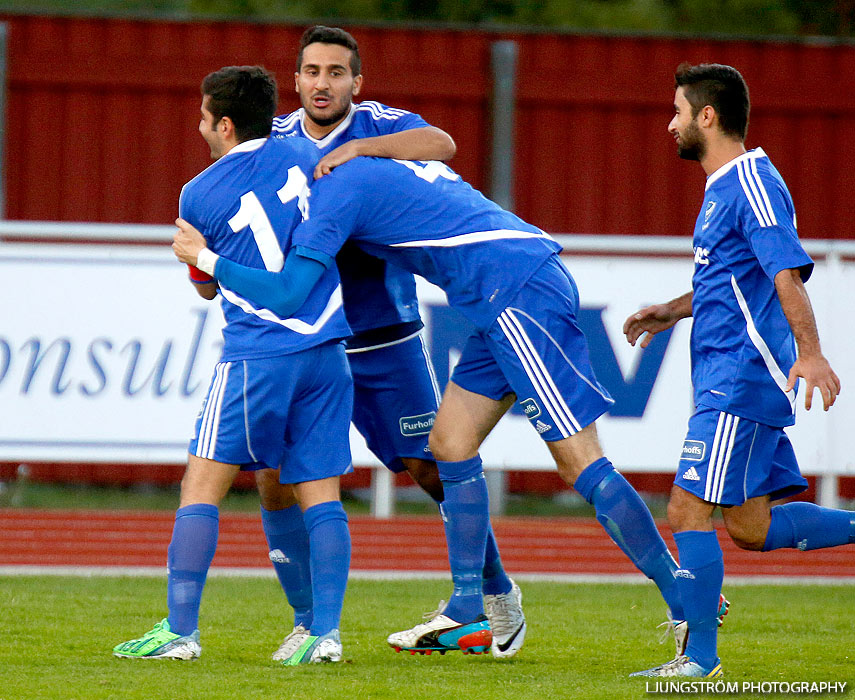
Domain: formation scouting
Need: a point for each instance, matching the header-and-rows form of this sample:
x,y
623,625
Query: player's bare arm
x,y
810,364
657,318
206,290
424,143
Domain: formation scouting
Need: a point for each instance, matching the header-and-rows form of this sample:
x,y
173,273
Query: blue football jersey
x,y
422,217
375,294
742,346
247,205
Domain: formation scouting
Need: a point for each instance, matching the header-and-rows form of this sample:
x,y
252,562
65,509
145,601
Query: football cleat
x,y
507,622
288,644
680,628
683,666
313,649
161,643
442,634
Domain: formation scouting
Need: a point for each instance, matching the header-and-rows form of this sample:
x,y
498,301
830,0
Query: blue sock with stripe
x,y
465,514
329,545
627,520
807,526
288,545
194,541
699,578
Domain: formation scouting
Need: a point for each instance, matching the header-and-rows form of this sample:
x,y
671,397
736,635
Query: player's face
x,y
691,144
210,132
325,83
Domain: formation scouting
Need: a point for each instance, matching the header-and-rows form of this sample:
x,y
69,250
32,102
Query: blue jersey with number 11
x,y
247,205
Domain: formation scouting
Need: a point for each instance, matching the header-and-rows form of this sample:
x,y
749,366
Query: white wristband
x,y
206,261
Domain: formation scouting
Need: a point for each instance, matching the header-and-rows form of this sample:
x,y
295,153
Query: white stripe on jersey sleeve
x,y
760,344
378,111
769,211
286,123
749,187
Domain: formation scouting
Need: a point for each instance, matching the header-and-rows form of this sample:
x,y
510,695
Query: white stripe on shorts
x,y
207,442
429,364
246,413
722,447
538,374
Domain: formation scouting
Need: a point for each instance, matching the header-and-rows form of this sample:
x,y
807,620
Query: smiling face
x,y
326,86
210,130
691,143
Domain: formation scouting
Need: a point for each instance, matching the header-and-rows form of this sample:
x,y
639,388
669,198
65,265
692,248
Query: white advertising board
x,y
106,352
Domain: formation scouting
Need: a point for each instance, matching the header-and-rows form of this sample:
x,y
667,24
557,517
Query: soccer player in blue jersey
x,y
393,377
282,391
753,337
506,277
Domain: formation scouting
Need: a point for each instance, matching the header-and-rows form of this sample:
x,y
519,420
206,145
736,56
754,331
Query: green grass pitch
x,y
582,642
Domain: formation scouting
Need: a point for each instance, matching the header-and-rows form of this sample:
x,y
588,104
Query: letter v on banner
x,y
630,394
449,331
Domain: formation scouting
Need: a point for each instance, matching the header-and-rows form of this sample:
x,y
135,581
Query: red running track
x,y
528,545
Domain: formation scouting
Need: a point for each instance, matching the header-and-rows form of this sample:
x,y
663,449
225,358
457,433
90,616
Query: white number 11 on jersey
x,y
252,214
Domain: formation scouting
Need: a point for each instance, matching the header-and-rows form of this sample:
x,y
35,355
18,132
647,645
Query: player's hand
x,y
817,374
187,242
650,320
337,156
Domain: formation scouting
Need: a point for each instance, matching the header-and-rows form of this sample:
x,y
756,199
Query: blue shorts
x,y
395,399
727,460
290,412
536,350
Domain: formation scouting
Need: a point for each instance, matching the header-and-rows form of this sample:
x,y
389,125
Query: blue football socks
x,y
288,544
699,579
496,580
465,513
329,546
807,526
628,522
194,541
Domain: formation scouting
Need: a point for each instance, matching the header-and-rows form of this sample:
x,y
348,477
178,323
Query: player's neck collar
x,y
246,146
724,169
326,140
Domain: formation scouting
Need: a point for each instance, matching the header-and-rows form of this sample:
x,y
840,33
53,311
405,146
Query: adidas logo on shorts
x,y
691,474
542,427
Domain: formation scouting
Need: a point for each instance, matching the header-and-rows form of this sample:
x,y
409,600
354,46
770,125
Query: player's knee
x,y
445,448
685,512
675,516
744,536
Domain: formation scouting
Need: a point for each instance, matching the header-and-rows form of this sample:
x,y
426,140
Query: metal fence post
x,y
503,62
